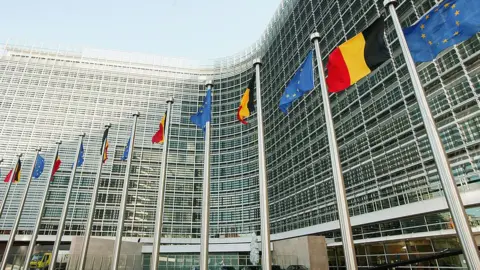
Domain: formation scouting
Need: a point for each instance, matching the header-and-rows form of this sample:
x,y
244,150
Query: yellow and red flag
x,y
160,134
56,166
247,106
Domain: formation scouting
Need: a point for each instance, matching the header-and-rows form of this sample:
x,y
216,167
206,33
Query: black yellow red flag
x,y
357,57
104,148
15,172
247,106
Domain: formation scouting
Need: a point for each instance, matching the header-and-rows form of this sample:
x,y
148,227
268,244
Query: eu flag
x,y
81,157
39,165
127,149
301,83
204,114
447,24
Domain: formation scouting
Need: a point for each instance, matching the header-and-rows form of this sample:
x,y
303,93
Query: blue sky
x,y
194,29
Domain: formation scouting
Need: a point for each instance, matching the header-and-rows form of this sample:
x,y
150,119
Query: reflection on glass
x,y
395,247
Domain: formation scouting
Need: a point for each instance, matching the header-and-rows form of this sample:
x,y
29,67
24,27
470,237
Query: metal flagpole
x,y
9,184
204,238
58,239
262,179
13,232
123,203
342,206
93,202
452,195
161,192
1,161
33,241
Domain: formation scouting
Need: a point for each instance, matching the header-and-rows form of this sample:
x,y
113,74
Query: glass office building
x,y
394,194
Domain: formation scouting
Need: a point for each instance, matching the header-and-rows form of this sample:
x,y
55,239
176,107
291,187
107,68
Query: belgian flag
x,y
357,57
104,149
247,106
160,134
15,172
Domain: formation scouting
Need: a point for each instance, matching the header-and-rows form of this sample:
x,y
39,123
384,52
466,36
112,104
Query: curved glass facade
x,y
47,95
50,97
385,154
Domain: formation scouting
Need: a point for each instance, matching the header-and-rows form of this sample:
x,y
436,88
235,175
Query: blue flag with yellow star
x,y
127,149
204,114
447,24
301,83
81,156
39,165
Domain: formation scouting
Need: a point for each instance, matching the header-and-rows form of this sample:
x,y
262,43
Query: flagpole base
x,y
386,3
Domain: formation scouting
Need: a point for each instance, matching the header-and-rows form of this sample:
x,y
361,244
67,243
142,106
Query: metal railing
x,y
72,262
140,262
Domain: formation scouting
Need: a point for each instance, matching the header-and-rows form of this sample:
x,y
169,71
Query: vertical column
x,y
452,195
9,185
161,192
123,204
93,202
58,240
341,194
33,241
262,176
13,232
206,197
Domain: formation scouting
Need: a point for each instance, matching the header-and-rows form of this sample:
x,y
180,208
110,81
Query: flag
x,y
9,175
15,172
81,157
127,149
204,113
104,147
39,165
16,175
247,106
301,83
160,134
357,57
447,24
56,166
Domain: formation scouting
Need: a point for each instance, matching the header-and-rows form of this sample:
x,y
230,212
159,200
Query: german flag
x,y
247,106
159,135
104,149
357,57
16,173
56,166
